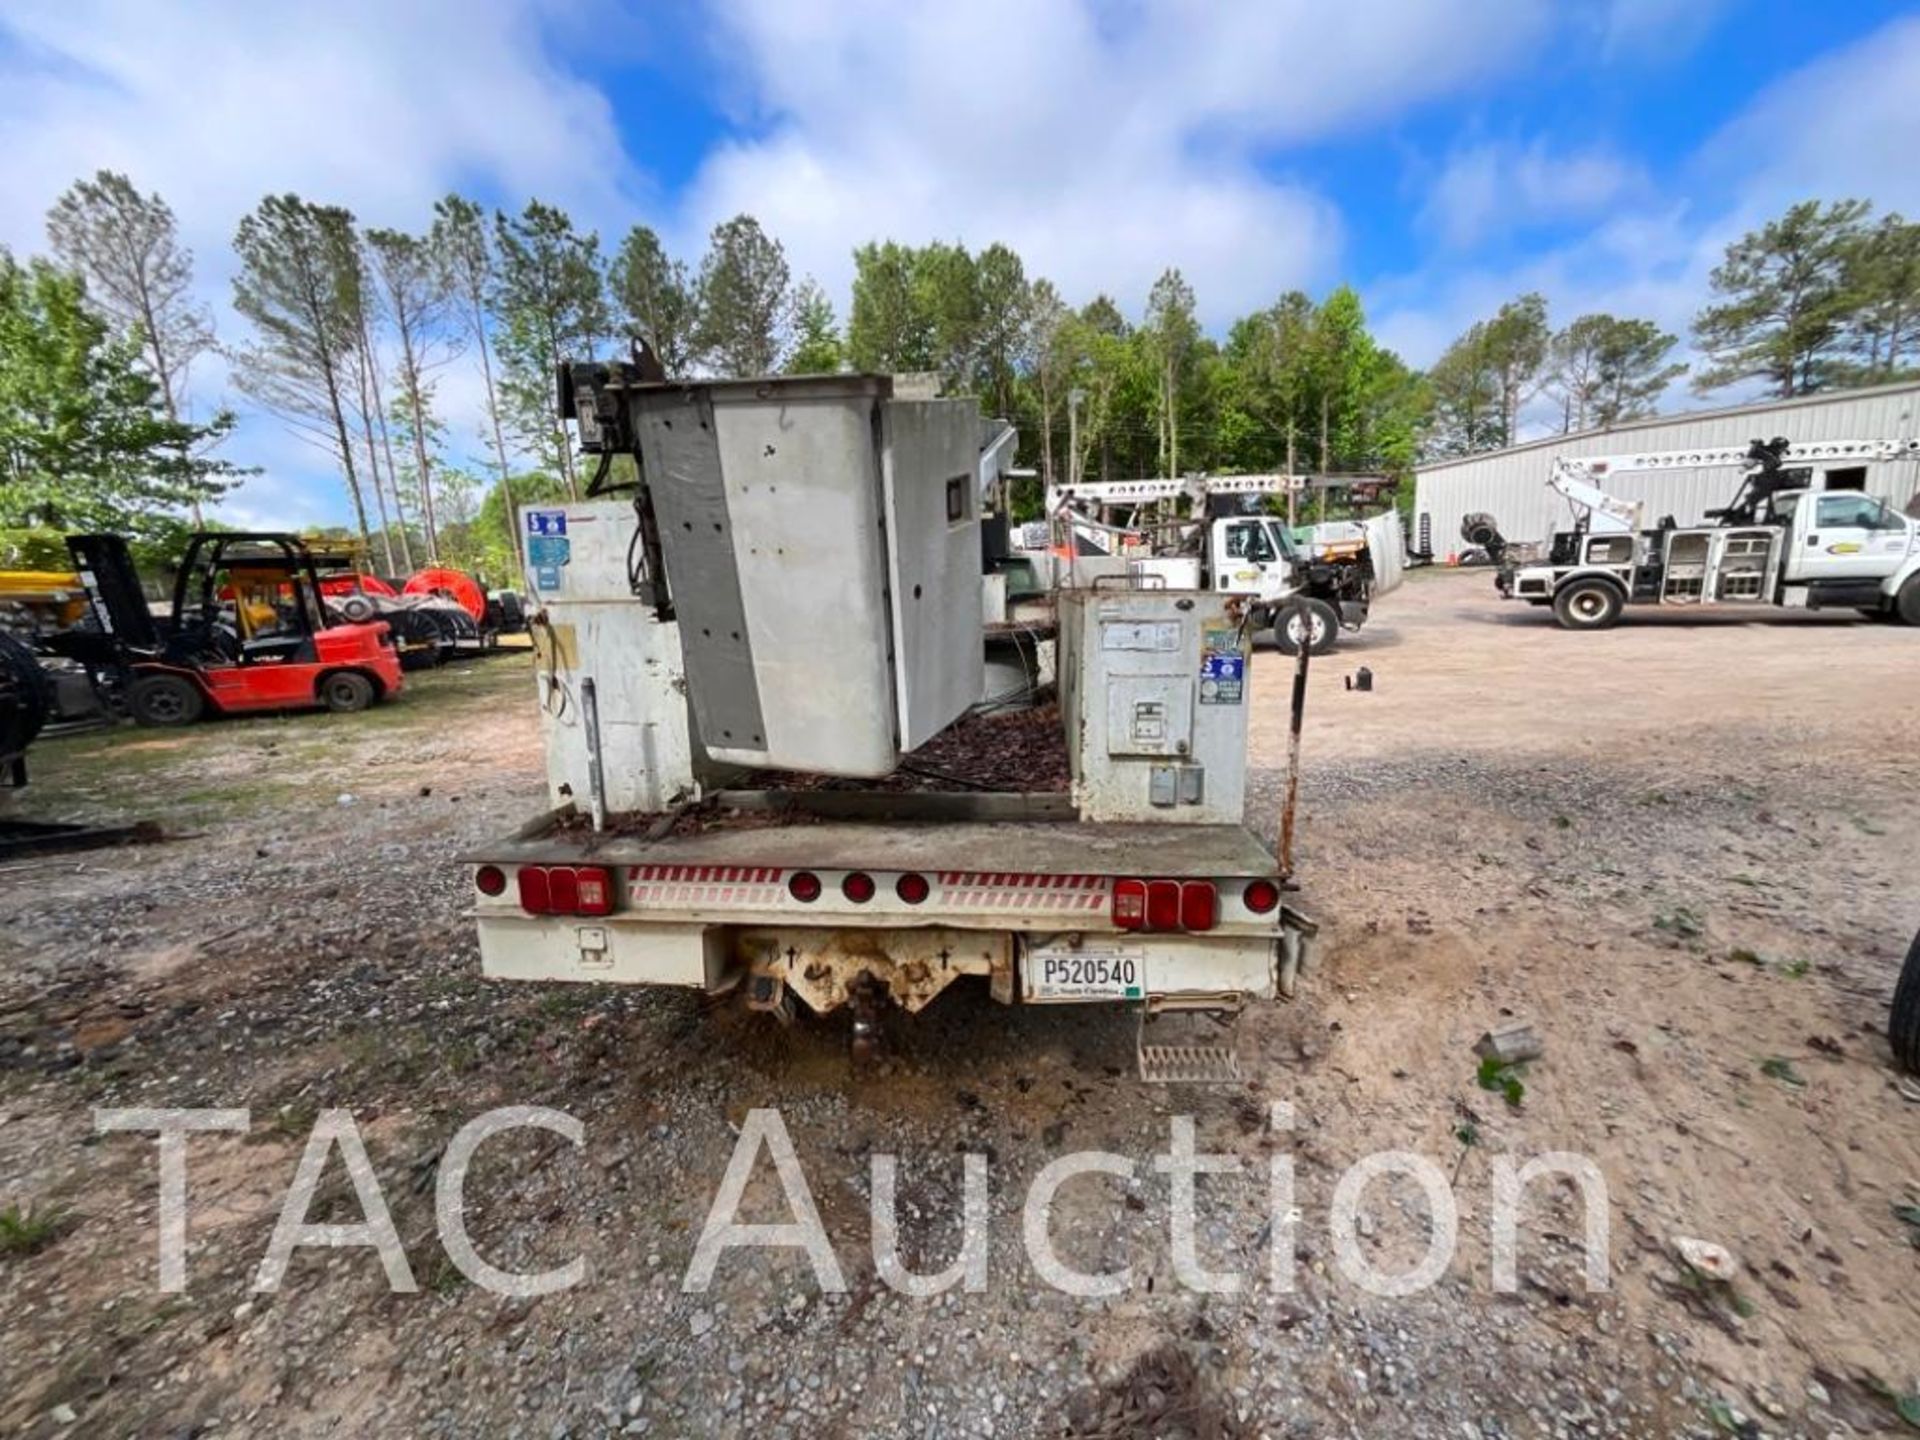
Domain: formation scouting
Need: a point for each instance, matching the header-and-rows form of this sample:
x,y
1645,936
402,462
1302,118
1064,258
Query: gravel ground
x,y
1685,855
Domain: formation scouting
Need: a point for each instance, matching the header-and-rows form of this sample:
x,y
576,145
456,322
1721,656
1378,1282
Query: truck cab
x,y
1810,537
1845,547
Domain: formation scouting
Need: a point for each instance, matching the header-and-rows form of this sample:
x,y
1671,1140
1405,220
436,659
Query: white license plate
x,y
1115,973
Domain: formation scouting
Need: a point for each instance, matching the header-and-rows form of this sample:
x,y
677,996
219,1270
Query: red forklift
x,y
248,632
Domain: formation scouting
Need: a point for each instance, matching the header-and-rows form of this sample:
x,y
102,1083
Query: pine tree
x,y
126,246
743,299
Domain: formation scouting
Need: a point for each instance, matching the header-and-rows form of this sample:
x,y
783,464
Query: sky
x,y
1441,158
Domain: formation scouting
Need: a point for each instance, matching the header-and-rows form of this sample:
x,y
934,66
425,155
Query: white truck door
x,y
1845,535
1242,551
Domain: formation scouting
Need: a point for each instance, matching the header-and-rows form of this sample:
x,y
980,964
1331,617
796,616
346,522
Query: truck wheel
x,y
1908,605
344,692
1903,1023
1588,605
165,700
1314,623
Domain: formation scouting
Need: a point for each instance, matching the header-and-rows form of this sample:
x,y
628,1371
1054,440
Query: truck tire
x,y
1588,605
165,700
1908,605
1903,1021
345,692
1309,621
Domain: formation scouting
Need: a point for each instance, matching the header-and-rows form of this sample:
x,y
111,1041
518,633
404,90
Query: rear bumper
x,y
823,966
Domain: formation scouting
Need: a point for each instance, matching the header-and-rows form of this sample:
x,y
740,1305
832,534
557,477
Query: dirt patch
x,y
1683,854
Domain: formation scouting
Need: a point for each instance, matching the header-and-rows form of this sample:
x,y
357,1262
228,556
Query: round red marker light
x,y
858,887
1260,896
804,887
490,880
912,888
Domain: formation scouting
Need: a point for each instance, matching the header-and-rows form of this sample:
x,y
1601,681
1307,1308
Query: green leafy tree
x,y
947,288
496,528
1782,301
1480,384
1048,361
460,244
1883,285
85,438
418,305
816,335
888,329
656,298
1604,369
743,299
1466,415
298,286
551,303
1516,347
1172,331
1005,312
127,248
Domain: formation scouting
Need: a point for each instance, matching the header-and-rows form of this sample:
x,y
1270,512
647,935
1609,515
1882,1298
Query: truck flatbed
x,y
1034,847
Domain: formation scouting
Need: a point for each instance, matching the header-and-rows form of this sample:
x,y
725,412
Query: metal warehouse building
x,y
1511,485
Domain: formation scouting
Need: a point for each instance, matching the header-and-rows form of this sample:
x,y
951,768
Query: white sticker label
x,y
1155,635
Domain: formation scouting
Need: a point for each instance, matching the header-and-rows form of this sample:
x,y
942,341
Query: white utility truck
x,y
759,665
1306,592
1804,532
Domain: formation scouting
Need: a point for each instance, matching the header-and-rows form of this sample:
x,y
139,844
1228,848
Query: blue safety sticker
x,y
546,522
1223,678
548,551
546,577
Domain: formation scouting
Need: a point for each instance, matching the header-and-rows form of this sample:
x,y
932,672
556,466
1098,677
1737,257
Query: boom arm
x,y
1606,514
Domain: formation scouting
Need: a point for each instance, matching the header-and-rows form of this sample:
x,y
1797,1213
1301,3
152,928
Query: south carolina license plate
x,y
1115,973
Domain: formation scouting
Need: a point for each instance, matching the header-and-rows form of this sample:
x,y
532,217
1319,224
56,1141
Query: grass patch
x,y
1502,1080
29,1229
1776,1067
1681,923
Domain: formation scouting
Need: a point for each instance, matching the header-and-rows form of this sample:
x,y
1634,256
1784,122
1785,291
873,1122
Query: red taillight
x,y
804,886
534,895
912,888
594,887
1260,896
1197,905
490,880
565,889
1163,905
858,887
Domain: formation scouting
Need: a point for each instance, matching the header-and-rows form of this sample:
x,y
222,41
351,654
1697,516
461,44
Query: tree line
x,y
351,335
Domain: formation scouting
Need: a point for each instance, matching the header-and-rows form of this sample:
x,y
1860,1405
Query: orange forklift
x,y
248,632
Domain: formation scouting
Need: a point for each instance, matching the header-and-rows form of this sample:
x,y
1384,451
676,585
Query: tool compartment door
x,y
930,472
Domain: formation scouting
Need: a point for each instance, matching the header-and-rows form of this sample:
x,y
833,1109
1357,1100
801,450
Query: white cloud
x,y
381,107
1102,145
1656,29
1844,124
1485,189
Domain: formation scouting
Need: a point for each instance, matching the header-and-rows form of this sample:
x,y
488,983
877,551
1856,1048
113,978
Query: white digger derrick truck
x,y
754,660
1307,593
1803,532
